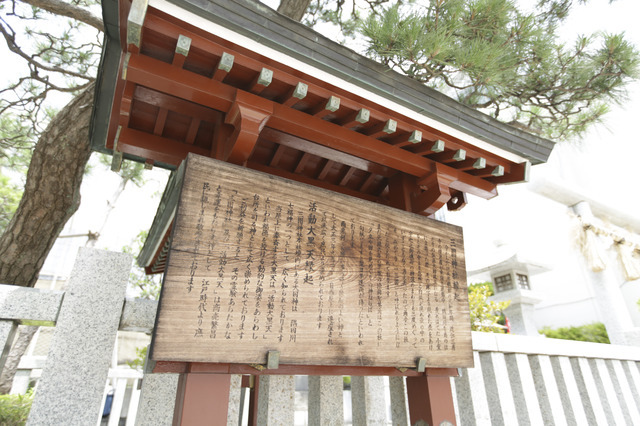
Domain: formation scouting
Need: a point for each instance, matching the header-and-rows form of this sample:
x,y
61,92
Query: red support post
x,y
430,399
203,399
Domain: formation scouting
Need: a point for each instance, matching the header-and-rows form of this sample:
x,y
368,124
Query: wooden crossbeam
x,y
323,152
384,128
303,162
295,94
347,176
277,156
323,109
261,81
326,168
517,173
161,149
155,73
315,182
161,120
366,185
193,131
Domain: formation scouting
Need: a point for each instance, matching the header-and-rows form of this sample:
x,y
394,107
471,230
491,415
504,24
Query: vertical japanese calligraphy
x,y
259,263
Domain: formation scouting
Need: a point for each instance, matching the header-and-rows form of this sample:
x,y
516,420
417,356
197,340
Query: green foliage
x,y
10,195
141,356
146,286
492,56
595,332
14,409
485,314
488,285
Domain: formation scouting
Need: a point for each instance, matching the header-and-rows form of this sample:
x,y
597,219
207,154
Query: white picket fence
x,y
516,379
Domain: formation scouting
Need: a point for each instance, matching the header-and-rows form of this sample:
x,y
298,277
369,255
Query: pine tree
x,y
492,56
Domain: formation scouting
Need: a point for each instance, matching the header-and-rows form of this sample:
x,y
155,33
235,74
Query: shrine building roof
x,y
236,81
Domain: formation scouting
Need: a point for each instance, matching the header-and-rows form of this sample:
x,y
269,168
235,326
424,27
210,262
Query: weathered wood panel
x,y
259,263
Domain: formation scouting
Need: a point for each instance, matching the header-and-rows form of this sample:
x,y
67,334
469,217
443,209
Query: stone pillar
x,y
399,403
367,400
498,387
233,413
588,392
470,387
569,392
546,389
276,397
325,400
157,399
523,388
72,384
608,298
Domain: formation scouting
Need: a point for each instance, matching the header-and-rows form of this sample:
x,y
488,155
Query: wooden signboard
x,y
259,263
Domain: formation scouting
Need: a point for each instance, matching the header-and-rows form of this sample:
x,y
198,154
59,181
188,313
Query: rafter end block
x,y
390,126
498,171
273,360
480,163
333,104
183,45
226,62
363,116
460,155
266,77
438,146
415,137
300,91
421,365
135,21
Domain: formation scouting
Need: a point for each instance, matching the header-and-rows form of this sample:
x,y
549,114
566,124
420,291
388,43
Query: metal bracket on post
x,y
421,365
273,362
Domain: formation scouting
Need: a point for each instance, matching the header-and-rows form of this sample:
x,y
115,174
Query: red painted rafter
x,y
199,89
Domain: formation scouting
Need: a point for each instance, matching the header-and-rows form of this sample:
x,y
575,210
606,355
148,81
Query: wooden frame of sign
x,y
259,263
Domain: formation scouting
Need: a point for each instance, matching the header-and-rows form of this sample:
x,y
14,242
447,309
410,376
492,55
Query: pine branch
x,y
58,7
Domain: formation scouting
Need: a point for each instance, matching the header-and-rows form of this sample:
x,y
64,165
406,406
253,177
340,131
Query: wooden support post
x,y
262,80
323,109
203,399
295,94
402,190
384,128
430,399
356,118
224,66
248,116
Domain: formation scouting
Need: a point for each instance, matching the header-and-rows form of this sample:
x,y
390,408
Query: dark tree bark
x,y
51,194
294,9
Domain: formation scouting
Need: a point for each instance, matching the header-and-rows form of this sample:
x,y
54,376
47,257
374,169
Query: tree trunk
x,y
51,194
294,9
25,334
